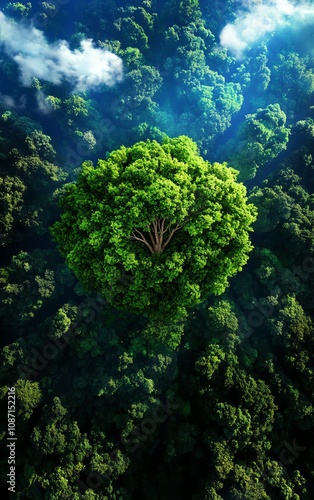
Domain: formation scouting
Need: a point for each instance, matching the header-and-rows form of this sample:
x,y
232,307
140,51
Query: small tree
x,y
155,228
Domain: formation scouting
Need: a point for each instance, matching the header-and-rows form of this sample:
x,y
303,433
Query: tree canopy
x,y
155,228
260,138
214,404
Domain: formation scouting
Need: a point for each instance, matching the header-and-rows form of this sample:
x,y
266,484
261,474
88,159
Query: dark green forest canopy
x,y
260,138
218,403
155,228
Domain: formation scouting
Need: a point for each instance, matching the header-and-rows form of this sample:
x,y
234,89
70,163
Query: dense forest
x,y
212,398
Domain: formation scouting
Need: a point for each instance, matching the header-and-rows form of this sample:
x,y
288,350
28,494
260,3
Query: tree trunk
x,y
159,235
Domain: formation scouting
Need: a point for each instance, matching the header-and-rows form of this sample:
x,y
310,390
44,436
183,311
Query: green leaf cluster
x,y
128,192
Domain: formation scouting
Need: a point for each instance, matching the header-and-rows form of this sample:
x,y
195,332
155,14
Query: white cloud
x,y
230,38
258,20
43,105
9,102
55,62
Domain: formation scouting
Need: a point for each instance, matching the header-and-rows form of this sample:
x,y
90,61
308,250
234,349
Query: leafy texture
x,y
155,228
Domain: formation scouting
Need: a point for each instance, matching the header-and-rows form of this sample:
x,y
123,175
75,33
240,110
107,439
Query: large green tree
x,y
155,228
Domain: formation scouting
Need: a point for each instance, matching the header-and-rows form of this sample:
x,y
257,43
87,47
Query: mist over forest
x,y
157,249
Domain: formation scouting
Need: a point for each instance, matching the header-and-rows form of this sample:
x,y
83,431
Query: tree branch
x,y
151,236
163,226
158,226
142,239
156,231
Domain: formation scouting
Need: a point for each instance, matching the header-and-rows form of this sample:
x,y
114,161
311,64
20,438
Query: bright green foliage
x,y
76,106
31,166
294,329
60,323
260,138
54,102
18,9
56,433
132,57
155,228
209,363
29,396
89,139
168,334
39,144
49,7
222,317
